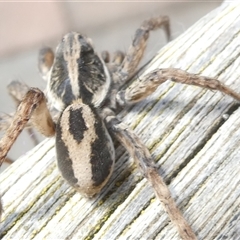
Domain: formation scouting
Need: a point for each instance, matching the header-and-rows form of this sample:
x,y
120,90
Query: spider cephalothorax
x,y
77,72
87,89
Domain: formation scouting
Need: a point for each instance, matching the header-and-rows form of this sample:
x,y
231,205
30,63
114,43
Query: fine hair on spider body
x,y
87,90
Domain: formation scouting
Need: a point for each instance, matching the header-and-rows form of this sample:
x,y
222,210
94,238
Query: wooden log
x,y
193,135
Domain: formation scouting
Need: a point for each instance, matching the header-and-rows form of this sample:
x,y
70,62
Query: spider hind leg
x,y
142,157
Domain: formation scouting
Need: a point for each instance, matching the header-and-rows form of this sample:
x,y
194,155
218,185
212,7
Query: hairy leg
x,y
105,56
32,106
145,163
113,61
45,61
136,50
146,85
17,90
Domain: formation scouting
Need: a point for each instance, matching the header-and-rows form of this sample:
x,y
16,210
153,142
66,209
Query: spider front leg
x,y
32,106
147,84
45,61
17,91
117,57
136,50
145,163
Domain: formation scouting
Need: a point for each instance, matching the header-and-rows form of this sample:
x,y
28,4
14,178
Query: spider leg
x,y
17,90
136,50
113,65
32,106
8,160
5,121
45,61
145,163
105,56
118,58
146,85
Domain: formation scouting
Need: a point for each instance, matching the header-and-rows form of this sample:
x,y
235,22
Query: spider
x,y
88,90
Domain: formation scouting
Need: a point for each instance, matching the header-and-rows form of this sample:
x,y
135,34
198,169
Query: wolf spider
x,y
88,90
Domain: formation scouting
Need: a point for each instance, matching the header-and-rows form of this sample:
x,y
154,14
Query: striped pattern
x,y
77,72
89,164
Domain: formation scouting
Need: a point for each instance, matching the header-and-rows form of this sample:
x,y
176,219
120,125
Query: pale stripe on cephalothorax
x,y
71,54
77,72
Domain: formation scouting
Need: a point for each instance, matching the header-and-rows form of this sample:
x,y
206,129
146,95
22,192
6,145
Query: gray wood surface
x,y
193,135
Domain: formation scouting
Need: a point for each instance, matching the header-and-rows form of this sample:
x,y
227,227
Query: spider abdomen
x,y
85,151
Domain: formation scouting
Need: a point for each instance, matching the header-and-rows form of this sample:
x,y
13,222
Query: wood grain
x,y
192,133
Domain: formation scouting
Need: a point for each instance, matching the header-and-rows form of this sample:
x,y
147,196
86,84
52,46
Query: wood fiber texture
x,y
193,135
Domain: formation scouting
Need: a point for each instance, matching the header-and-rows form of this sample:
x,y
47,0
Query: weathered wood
x,y
193,135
